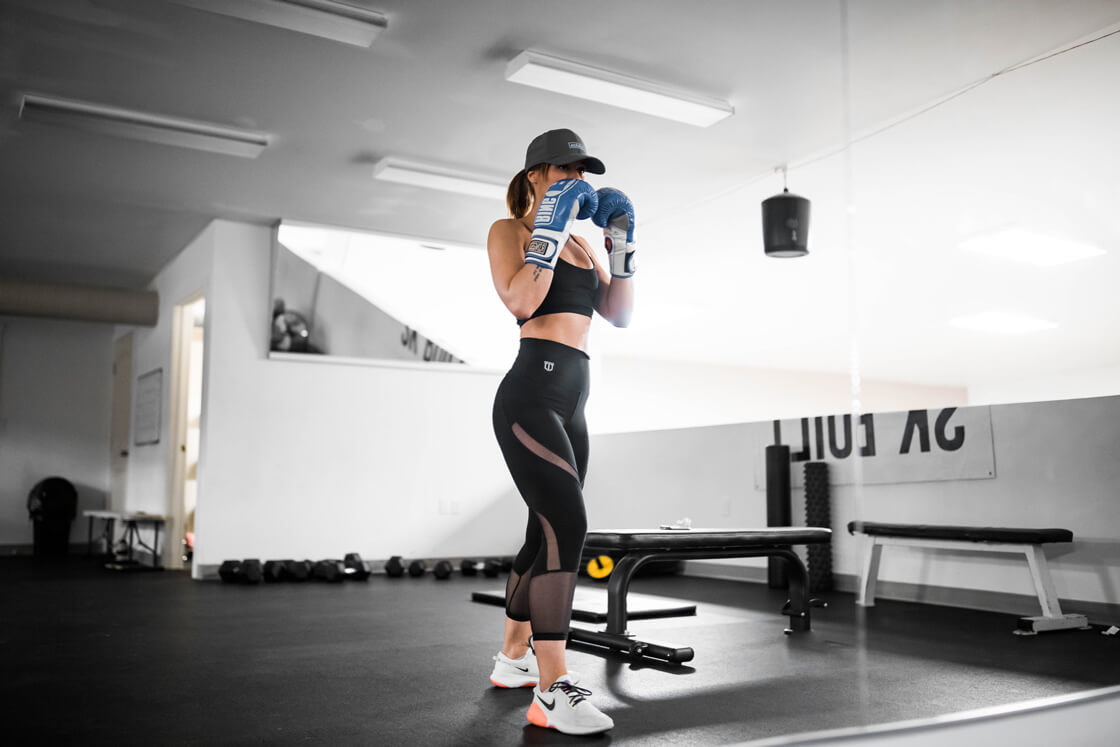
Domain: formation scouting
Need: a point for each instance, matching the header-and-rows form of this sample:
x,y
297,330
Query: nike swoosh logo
x,y
523,669
546,704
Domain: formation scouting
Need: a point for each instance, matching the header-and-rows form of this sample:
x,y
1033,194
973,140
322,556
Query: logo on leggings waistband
x,y
549,365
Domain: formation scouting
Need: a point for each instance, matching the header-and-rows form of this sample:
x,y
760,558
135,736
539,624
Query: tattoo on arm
x,y
536,272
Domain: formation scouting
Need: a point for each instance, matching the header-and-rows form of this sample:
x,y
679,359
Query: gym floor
x,y
97,657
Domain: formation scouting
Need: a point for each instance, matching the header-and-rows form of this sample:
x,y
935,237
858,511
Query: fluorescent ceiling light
x,y
576,79
155,128
1002,322
401,171
1021,245
328,19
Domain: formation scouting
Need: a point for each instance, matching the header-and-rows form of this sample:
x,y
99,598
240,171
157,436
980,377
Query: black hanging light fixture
x,y
785,223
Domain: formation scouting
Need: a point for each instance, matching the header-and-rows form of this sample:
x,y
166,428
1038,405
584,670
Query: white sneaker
x,y
521,672
566,709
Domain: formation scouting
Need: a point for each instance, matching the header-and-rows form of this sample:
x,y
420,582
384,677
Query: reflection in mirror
x,y
980,244
985,231
982,250
354,294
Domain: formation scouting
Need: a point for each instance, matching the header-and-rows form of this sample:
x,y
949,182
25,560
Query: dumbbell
x,y
417,568
297,570
469,567
331,571
274,571
394,566
230,571
246,571
251,570
490,567
356,568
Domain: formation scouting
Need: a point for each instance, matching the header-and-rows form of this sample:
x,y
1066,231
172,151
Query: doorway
x,y
186,429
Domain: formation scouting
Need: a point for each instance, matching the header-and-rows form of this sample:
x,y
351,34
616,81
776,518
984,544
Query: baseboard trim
x,y
206,572
1101,613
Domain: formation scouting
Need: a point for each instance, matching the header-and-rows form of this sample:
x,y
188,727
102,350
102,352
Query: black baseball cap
x,y
561,147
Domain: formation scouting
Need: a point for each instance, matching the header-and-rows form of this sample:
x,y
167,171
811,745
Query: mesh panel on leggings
x,y
550,604
517,597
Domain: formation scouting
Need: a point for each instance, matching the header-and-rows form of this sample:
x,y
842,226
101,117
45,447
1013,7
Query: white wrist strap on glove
x,y
546,244
621,251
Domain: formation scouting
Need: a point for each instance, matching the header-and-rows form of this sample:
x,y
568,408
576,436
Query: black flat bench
x,y
639,546
976,539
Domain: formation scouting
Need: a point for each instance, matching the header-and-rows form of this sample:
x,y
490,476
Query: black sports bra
x,y
573,290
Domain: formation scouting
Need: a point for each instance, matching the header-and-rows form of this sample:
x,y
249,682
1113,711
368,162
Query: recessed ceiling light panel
x,y
327,19
138,125
556,74
434,176
1021,245
1003,322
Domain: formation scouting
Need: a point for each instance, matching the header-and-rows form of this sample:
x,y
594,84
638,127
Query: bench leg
x,y
869,573
617,588
1052,617
798,578
1043,583
615,636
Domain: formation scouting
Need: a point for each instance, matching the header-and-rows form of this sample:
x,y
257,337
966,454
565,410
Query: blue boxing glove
x,y
562,204
615,215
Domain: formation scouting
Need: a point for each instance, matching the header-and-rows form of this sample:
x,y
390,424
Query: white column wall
x,y
314,459
150,465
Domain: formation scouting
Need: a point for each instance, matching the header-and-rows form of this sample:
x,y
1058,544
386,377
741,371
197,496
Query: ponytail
x,y
519,195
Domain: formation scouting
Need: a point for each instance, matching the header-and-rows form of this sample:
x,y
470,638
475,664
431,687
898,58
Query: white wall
x,y
637,395
55,390
1097,382
149,466
314,458
1057,465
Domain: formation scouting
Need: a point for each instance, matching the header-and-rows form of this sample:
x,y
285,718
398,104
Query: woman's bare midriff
x,y
566,329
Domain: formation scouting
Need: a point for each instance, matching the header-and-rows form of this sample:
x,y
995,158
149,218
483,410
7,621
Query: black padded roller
x,y
818,513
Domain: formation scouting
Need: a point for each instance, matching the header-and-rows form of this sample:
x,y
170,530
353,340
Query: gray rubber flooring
x,y
94,657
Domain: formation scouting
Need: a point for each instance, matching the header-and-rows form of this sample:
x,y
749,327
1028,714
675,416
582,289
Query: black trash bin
x,y
52,503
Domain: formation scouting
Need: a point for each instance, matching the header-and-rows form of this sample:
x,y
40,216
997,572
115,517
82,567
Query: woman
x,y
552,282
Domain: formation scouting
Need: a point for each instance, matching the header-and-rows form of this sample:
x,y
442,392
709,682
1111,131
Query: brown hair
x,y
519,195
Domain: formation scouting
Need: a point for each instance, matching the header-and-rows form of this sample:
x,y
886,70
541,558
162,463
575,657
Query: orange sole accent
x,y
507,687
536,715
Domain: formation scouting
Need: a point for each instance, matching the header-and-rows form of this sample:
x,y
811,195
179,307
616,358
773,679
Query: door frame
x,y
182,326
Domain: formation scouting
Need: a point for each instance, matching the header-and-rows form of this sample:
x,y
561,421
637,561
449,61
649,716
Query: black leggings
x,y
539,422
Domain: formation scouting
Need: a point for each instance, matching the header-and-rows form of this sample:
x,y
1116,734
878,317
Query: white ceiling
x,y
1034,147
